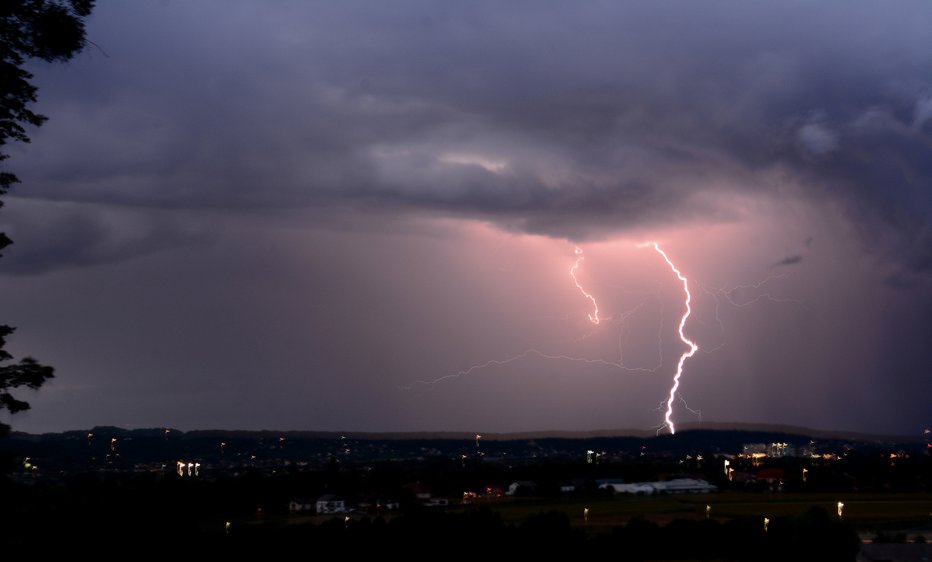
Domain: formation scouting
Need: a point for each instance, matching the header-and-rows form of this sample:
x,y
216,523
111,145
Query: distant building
x,y
301,504
685,486
572,485
770,475
677,486
753,449
390,504
778,450
379,503
772,450
642,488
423,494
521,485
329,503
492,491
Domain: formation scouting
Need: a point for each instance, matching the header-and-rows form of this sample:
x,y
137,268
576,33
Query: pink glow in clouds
x,y
345,328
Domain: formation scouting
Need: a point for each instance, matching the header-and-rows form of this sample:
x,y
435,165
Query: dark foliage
x,y
49,30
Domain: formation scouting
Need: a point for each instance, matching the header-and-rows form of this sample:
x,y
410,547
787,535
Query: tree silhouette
x,y
52,31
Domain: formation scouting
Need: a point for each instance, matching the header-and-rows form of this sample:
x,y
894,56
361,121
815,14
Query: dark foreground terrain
x,y
765,496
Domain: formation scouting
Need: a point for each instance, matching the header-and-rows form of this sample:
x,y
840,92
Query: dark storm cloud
x,y
788,260
562,119
65,235
877,166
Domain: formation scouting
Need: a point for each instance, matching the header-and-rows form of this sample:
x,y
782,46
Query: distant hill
x,y
117,449
494,436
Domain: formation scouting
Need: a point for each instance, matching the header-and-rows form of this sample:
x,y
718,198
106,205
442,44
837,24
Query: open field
x,y
864,511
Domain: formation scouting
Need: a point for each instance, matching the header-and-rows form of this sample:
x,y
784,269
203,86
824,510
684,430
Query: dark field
x,y
865,512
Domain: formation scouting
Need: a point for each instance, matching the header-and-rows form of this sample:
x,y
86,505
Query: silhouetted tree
x,y
52,31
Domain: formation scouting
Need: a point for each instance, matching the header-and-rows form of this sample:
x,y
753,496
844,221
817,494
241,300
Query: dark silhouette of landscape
x,y
266,492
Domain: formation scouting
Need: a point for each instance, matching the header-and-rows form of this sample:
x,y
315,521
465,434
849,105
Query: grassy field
x,y
867,511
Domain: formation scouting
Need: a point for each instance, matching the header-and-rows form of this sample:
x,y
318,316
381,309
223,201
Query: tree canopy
x,y
52,31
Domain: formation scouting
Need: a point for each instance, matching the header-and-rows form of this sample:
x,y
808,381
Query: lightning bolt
x,y
693,348
730,295
594,317
663,405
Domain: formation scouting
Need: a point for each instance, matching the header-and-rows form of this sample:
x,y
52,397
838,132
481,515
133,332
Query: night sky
x,y
297,215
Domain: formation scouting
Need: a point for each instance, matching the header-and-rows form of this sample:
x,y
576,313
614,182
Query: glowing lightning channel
x,y
594,317
693,348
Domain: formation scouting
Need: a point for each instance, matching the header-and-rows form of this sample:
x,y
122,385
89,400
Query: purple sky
x,y
291,215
